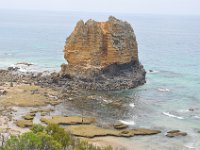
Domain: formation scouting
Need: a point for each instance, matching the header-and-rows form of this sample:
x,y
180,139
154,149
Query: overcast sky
x,y
189,7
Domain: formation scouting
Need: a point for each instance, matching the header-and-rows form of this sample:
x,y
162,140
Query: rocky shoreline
x,y
112,78
36,101
28,98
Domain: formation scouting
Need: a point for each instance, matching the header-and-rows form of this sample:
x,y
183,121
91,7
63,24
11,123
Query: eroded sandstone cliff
x,y
105,53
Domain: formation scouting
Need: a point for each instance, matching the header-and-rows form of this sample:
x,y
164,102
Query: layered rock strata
x,y
103,55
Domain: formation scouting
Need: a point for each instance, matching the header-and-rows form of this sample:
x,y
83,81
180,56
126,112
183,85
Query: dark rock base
x,y
112,77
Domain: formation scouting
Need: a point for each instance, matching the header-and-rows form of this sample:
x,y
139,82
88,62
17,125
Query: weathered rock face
x,y
101,43
102,51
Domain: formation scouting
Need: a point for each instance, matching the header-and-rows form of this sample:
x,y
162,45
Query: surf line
x,y
171,115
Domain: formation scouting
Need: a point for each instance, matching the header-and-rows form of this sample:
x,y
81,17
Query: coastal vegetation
x,y
51,137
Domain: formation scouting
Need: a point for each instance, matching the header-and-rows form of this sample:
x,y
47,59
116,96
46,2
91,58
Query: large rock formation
x,y
103,55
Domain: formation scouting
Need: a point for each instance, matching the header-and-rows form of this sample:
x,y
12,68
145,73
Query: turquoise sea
x,y
168,45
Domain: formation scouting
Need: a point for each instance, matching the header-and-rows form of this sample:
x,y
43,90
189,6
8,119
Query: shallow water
x,y
168,45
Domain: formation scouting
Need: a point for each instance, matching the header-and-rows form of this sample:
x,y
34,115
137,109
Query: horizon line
x,y
106,12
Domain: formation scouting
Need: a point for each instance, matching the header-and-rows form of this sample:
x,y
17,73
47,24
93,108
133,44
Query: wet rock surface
x,y
91,131
175,133
71,120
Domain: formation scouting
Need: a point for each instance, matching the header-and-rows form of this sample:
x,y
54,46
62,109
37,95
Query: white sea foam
x,y
190,146
163,90
132,105
171,115
107,101
184,110
24,68
8,54
127,122
29,67
153,71
197,117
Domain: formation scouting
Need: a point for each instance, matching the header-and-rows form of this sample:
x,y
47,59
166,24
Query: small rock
x,y
191,109
116,104
3,92
24,63
150,70
11,84
2,84
29,116
120,125
13,68
44,113
175,133
35,91
24,123
125,132
143,131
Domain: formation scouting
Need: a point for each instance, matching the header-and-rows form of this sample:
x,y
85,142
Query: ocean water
x,y
168,45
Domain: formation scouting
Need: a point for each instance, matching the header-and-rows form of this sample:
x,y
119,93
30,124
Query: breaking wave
x,y
163,90
127,122
132,105
171,115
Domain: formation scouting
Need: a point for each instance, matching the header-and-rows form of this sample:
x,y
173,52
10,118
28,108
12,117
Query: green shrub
x,y
59,134
51,137
36,128
108,148
48,143
32,141
28,141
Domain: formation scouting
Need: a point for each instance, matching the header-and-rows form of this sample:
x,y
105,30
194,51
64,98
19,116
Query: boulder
x,y
29,116
175,133
44,113
13,68
120,125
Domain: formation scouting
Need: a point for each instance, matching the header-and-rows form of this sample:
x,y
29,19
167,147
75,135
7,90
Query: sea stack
x,y
103,55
